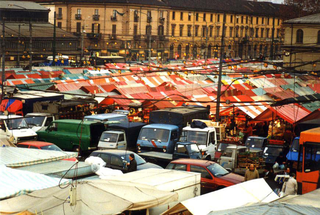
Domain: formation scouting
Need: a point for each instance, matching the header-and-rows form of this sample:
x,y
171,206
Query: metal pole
x,y
18,48
220,70
54,39
149,56
3,57
272,41
82,45
206,55
30,45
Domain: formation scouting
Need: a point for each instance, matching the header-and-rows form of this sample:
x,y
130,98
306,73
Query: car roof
x,y
114,151
104,116
206,129
75,121
161,126
36,143
10,116
38,114
197,162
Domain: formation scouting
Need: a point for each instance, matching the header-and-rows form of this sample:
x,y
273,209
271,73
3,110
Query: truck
x,y
236,159
181,150
165,127
39,121
15,129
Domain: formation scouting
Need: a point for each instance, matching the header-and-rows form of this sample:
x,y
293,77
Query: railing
x,y
96,17
78,16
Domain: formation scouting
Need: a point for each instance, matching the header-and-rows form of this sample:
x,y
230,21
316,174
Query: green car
x,y
68,134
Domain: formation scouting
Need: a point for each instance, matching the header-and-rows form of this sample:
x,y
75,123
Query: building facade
x,y
171,29
302,43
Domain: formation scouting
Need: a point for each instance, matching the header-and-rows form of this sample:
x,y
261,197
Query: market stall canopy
x,y
12,106
18,157
92,197
310,199
271,208
238,195
18,182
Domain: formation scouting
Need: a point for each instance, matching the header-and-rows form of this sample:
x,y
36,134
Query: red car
x,y
213,176
41,145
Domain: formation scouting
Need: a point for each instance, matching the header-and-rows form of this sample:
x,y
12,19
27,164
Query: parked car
x,y
42,145
118,159
213,176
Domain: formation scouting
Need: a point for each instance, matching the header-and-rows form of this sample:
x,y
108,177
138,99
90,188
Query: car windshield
x,y
51,147
16,123
217,170
160,135
295,145
109,137
272,151
198,137
35,120
138,159
255,143
192,148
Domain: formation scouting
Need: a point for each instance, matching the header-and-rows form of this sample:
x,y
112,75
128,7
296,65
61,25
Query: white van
x,y
39,121
113,140
15,129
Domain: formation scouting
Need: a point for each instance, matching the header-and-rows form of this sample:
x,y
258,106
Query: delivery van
x,y
68,134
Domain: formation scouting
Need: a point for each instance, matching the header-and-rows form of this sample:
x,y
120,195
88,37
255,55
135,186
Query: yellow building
x,y
181,29
302,43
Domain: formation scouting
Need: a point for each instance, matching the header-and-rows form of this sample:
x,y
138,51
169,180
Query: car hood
x,y
148,166
234,178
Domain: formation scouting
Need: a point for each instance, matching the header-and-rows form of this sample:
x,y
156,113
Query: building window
x,y
318,37
204,31
231,19
59,24
95,28
257,32
189,16
237,19
78,11
148,30
218,31
251,32
196,30
173,15
218,18
197,16
262,31
135,30
247,19
257,20
241,19
299,36
173,27
161,14
251,20
278,22
211,27
211,17
268,21
136,16
230,32
60,13
262,20
160,30
114,29
267,33
78,27
181,30
278,33
204,17
237,32
149,16
181,16
189,30
96,11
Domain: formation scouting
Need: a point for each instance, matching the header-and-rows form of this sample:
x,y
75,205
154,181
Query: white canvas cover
x,y
308,199
245,193
92,197
18,182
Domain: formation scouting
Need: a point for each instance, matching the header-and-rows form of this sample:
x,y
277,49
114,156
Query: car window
x,y
33,147
180,167
116,161
121,137
53,127
203,171
105,158
170,166
49,120
181,149
22,146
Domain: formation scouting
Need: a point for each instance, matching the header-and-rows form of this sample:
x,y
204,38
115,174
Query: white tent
x,y
308,199
238,195
92,197
18,182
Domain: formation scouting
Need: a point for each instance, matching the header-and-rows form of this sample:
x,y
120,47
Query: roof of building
x,y
230,6
311,19
21,5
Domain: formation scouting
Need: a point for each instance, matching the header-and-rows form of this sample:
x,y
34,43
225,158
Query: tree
x,y
305,7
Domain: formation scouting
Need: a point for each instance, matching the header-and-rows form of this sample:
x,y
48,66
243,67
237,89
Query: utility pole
x,y
149,55
220,69
272,40
30,45
3,57
82,45
206,55
18,48
54,39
